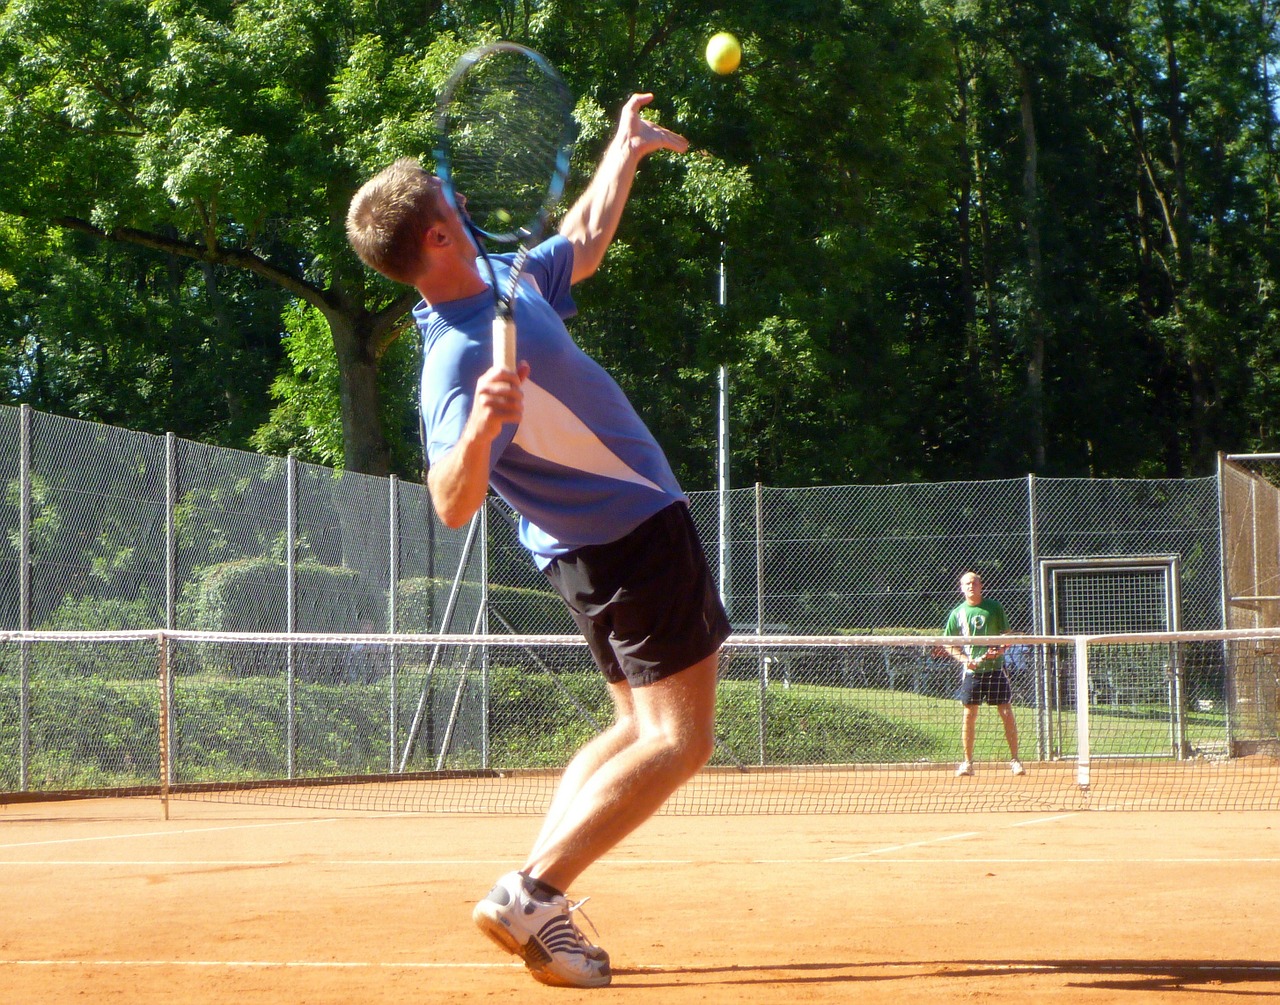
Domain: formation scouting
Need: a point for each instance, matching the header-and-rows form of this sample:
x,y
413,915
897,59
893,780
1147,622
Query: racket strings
x,y
508,124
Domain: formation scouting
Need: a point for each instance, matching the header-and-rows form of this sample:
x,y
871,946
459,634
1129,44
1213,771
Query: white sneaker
x,y
543,934
966,768
1016,767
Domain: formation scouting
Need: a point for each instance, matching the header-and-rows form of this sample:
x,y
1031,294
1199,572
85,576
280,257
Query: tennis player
x,y
984,679
600,511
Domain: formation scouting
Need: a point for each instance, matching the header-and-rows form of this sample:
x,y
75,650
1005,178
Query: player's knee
x,y
696,749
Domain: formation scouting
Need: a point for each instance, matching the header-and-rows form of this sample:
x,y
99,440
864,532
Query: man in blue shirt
x,y
600,511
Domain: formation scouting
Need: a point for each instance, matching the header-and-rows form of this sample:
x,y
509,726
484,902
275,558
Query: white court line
x,y
258,964
150,834
1102,860
1082,967
1044,820
649,863
900,847
145,863
947,837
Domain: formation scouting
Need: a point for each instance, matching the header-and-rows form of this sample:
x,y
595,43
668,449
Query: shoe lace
x,y
577,906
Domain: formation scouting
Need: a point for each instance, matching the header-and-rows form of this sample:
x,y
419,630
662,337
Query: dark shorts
x,y
645,603
985,688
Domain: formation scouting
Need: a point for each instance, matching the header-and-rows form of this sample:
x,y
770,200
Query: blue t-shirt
x,y
581,468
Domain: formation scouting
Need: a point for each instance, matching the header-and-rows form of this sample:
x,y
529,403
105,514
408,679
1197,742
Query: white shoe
x,y
966,768
1016,767
543,934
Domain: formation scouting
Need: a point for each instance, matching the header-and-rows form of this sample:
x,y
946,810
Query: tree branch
x,y
215,254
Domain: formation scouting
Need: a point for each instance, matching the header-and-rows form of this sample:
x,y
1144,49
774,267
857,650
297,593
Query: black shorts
x,y
985,688
645,603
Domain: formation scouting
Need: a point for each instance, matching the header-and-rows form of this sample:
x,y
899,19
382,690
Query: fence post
x,y
170,595
1224,585
484,628
291,607
162,647
1044,724
762,669
722,470
24,592
393,588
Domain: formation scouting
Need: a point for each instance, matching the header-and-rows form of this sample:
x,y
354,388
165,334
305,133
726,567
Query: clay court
x,y
252,904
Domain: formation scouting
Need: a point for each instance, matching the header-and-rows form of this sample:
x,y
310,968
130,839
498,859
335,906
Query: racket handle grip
x,y
504,343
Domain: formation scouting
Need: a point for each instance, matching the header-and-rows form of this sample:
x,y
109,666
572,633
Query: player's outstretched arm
x,y
593,220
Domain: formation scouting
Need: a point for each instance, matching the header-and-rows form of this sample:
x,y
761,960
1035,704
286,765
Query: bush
x,y
228,598
421,602
104,614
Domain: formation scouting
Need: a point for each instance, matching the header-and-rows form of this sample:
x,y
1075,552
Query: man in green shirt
x,y
984,680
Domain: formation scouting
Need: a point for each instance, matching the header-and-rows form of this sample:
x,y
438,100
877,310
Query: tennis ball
x,y
723,53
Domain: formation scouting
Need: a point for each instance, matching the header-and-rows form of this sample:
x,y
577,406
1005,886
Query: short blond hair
x,y
388,218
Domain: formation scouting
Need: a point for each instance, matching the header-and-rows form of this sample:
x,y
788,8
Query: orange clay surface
x,y
106,901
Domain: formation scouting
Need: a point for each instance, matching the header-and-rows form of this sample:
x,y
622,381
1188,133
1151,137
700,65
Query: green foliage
x,y
307,420
85,732
104,614
540,720
808,725
420,603
960,240
218,599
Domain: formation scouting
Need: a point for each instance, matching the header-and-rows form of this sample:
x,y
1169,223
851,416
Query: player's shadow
x,y
1222,976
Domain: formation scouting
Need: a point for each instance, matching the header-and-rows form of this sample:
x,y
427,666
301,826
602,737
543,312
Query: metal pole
x,y
291,607
722,458
1224,586
170,594
162,647
393,588
484,627
764,666
24,593
445,622
1040,664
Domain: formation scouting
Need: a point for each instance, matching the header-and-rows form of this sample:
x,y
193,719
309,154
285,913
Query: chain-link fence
x,y
109,529
484,723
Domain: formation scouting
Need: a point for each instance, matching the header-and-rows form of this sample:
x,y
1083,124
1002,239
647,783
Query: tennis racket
x,y
505,126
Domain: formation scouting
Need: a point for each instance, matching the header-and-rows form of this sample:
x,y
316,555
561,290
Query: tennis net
x,y
484,723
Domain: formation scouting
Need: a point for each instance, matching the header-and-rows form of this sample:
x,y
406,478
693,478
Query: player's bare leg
x,y
968,727
1011,736
587,761
968,730
672,738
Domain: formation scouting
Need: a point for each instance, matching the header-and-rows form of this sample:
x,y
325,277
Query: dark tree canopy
x,y
959,240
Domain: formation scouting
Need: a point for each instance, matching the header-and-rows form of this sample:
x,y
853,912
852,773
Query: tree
x,y
231,135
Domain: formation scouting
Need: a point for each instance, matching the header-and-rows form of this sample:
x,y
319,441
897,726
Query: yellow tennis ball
x,y
723,53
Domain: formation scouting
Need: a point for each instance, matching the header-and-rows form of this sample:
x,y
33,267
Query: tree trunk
x,y
364,444
964,227
1034,321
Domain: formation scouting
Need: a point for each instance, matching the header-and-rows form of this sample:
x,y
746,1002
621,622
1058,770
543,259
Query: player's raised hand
x,y
643,136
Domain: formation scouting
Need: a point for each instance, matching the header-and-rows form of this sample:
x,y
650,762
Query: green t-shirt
x,y
985,618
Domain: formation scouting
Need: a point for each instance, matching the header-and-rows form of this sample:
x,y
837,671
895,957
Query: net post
x,y
1082,710
162,653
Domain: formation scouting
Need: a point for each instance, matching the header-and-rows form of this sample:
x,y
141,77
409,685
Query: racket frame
x,y
527,234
